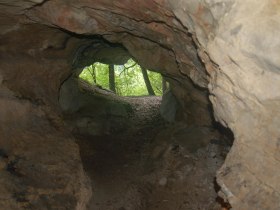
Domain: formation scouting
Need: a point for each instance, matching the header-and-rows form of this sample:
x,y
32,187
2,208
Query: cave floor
x,y
152,164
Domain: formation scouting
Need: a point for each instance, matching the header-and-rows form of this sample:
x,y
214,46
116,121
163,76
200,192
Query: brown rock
x,y
237,42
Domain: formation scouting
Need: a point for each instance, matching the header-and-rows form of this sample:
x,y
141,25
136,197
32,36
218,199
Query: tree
x,y
112,85
92,73
147,82
164,85
126,79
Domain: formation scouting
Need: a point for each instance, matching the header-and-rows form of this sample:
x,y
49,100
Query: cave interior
x,y
210,142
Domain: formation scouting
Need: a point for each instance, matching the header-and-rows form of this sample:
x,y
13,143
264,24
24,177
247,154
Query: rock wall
x,y
40,166
240,36
237,41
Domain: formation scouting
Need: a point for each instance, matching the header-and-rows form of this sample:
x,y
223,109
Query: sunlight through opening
x,y
129,79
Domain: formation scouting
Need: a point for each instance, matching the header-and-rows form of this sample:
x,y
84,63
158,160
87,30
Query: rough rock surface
x,y
237,41
240,36
93,111
40,164
40,161
150,164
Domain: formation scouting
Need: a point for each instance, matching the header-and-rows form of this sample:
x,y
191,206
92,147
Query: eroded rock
x,y
236,41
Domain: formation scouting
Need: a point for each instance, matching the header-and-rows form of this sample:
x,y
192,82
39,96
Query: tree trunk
x,y
93,74
164,85
112,78
147,82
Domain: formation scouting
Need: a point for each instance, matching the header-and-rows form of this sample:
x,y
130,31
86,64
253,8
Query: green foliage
x,y
100,71
128,78
156,81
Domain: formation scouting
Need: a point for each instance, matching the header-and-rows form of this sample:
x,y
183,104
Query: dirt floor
x,y
153,164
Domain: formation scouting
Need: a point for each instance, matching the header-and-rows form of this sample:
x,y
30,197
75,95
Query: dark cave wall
x,y
35,61
36,58
234,39
40,163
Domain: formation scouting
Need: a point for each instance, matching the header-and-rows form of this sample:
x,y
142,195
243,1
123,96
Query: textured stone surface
x,y
241,38
236,40
93,111
40,161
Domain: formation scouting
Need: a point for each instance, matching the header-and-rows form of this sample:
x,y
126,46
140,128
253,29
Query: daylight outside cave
x,y
74,136
129,79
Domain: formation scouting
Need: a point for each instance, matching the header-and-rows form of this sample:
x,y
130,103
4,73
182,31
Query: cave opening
x,y
219,57
143,152
129,79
